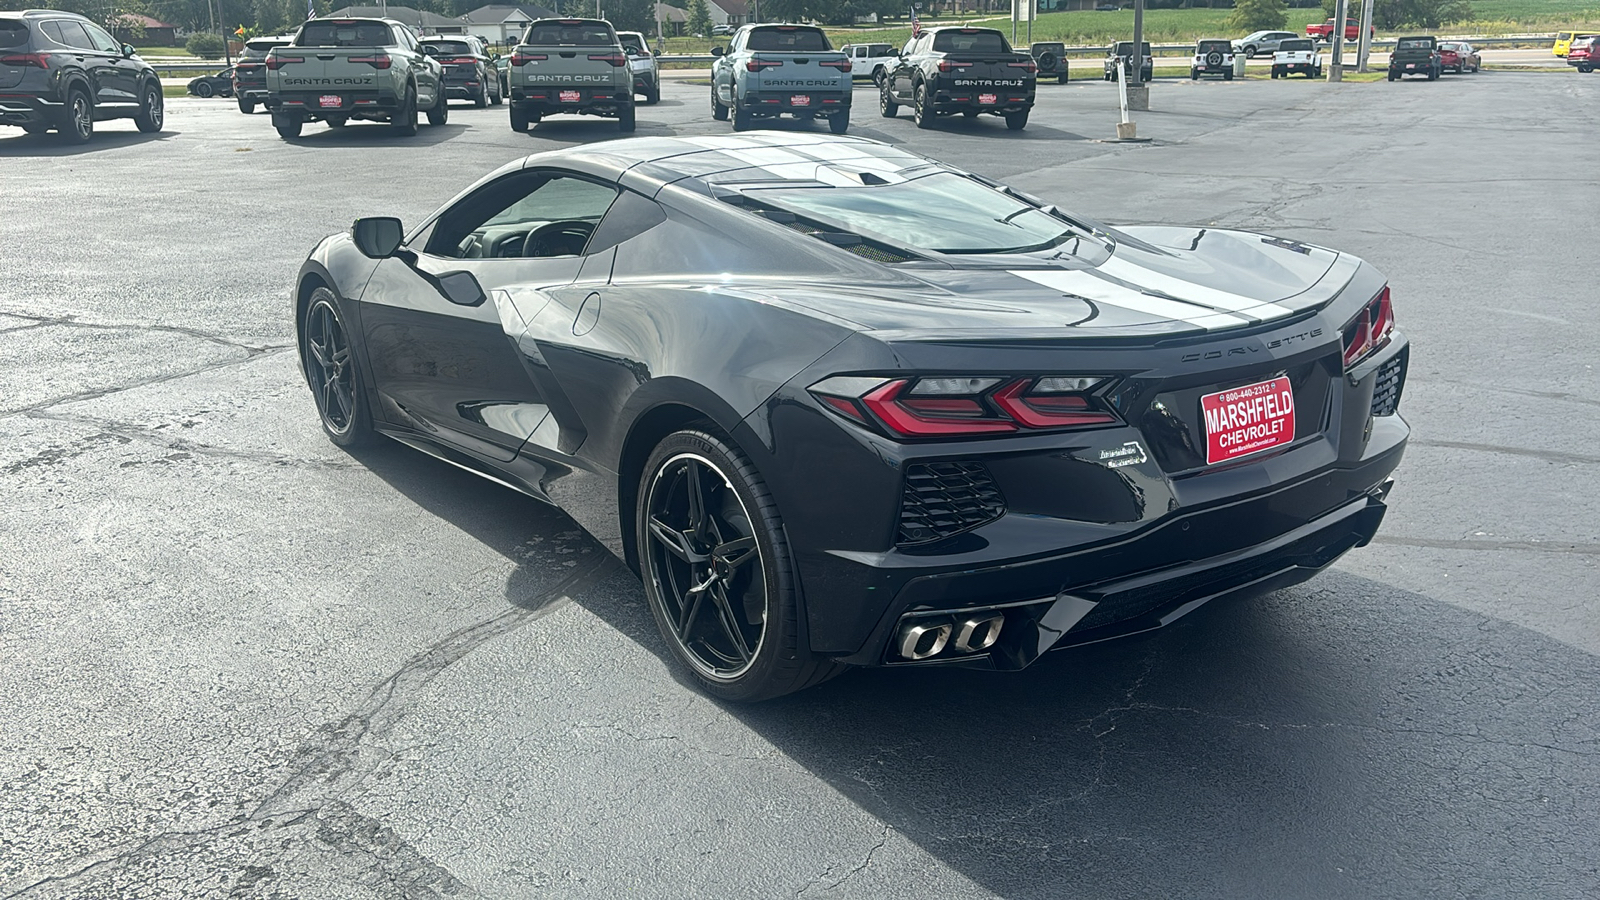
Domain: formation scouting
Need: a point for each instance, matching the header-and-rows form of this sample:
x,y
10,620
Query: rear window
x,y
1414,44
259,49
1292,46
343,34
1053,48
878,49
561,34
449,48
1208,46
787,40
970,41
631,40
13,35
1125,48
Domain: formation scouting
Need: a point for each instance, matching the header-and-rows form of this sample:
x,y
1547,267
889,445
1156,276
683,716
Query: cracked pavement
x,y
241,663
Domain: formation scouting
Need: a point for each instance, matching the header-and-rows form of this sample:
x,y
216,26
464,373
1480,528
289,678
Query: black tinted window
x,y
1294,45
13,35
791,40
448,48
67,33
556,34
631,40
1415,44
343,34
970,42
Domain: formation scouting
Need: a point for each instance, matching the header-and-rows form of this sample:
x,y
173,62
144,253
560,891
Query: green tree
x,y
1259,15
631,15
699,18
1389,15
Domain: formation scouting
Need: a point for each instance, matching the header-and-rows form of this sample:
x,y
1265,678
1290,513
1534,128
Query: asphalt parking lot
x,y
240,662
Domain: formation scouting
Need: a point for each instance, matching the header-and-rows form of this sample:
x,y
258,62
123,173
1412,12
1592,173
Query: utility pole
x,y
1366,36
1139,91
1336,67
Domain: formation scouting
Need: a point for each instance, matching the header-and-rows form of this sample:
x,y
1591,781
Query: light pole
x,y
1365,47
1336,67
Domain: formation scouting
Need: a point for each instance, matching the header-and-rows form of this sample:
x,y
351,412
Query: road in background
x,y
238,661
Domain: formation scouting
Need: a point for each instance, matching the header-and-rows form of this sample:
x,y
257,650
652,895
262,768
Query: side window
x,y
527,214
101,40
71,34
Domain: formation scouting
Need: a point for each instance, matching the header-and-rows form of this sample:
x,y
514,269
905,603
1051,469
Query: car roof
x,y
39,14
765,157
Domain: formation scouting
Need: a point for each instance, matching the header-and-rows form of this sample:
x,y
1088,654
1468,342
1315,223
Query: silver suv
x,y
59,70
642,64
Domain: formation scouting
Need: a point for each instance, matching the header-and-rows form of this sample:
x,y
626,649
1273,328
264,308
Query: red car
x,y
1585,54
1458,57
1324,32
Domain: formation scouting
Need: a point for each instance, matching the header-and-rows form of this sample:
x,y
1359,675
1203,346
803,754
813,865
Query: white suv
x,y
1299,55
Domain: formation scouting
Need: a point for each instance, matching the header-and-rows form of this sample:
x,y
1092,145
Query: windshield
x,y
1415,44
787,39
945,213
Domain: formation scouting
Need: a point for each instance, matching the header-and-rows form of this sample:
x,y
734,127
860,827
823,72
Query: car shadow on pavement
x,y
360,134
1340,738
51,144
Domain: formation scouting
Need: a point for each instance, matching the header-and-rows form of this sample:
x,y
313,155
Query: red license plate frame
x,y
799,99
988,99
570,96
330,101
1248,419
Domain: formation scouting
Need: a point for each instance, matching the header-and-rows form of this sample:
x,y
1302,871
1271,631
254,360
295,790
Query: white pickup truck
x,y
873,61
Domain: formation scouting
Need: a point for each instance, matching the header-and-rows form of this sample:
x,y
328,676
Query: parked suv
x,y
1051,58
1261,42
1121,53
250,72
1298,56
59,70
468,72
1584,53
642,64
1212,57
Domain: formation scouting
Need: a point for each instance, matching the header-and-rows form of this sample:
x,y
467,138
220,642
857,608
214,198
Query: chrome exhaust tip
x,y
976,634
921,640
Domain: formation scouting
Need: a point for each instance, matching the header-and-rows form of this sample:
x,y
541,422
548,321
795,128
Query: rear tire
x,y
440,113
625,119
404,120
886,102
152,112
482,100
288,124
920,114
519,119
839,123
1063,78
653,96
329,365
705,517
1017,121
248,107
743,121
1227,76
336,121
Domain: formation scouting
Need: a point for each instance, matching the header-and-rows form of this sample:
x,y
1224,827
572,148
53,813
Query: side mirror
x,y
461,288
431,52
128,51
377,237
716,52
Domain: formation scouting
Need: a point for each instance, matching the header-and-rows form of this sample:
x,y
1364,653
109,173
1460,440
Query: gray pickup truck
x,y
336,70
570,66
780,70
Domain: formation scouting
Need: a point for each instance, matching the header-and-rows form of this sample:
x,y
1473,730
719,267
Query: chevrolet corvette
x,y
838,404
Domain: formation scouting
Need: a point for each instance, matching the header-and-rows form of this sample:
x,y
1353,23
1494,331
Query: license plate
x,y
1411,65
330,101
1249,419
571,96
800,100
988,99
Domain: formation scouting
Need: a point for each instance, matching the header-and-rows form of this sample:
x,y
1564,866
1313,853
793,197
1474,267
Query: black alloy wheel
x,y
717,572
203,90
440,113
920,113
78,124
330,370
886,102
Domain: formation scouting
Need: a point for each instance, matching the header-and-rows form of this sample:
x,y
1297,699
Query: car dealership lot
x,y
237,659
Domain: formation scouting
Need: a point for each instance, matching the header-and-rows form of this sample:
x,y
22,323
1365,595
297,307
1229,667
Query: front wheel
x,y
718,572
204,90
1017,121
152,112
330,369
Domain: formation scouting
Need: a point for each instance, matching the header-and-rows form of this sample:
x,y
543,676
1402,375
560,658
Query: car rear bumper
x,y
21,109
789,102
350,102
548,100
1005,100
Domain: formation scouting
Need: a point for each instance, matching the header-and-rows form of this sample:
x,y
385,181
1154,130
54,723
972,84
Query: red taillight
x,y
843,65
1368,332
465,61
277,62
756,65
38,60
616,59
1024,66
950,65
521,59
964,405
377,61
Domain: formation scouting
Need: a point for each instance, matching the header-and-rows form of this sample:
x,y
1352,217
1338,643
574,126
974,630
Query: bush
x,y
1259,15
204,44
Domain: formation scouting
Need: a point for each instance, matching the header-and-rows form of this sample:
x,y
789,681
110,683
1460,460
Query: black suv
x,y
1051,58
59,70
250,72
469,73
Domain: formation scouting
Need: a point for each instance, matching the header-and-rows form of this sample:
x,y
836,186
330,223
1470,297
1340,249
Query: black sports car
x,y
219,84
839,404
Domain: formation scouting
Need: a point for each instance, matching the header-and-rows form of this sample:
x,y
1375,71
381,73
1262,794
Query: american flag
x,y
916,24
311,9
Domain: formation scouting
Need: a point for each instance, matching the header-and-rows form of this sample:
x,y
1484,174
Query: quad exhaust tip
x,y
927,637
